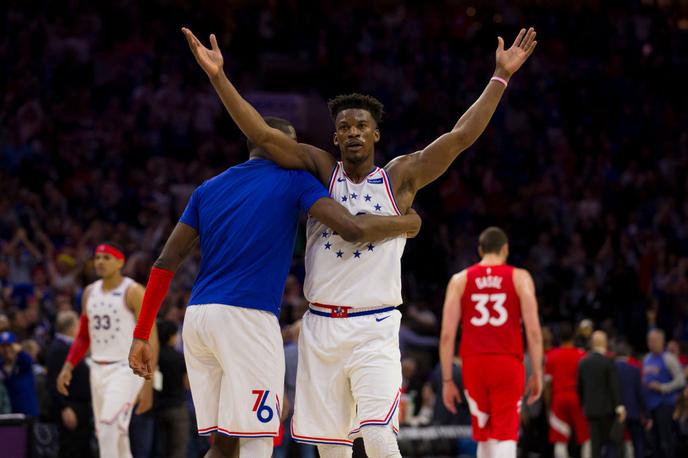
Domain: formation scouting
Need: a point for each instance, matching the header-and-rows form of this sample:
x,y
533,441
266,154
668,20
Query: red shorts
x,y
567,413
493,385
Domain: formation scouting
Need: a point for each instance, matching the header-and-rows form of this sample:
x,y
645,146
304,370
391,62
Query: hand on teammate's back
x,y
510,60
210,60
450,396
140,356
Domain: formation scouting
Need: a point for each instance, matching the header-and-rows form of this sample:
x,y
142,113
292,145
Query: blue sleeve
x,y
190,215
309,190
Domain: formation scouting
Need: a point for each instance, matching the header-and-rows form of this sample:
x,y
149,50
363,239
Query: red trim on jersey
x,y
332,178
390,194
109,249
372,172
82,341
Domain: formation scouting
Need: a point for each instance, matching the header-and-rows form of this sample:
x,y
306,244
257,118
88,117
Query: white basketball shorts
x,y
114,389
348,377
235,362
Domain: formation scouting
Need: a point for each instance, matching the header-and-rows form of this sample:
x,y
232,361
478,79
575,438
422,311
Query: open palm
x,y
510,60
210,60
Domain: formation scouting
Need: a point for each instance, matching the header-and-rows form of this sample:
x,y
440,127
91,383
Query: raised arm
x,y
282,149
143,355
425,166
451,315
525,288
364,228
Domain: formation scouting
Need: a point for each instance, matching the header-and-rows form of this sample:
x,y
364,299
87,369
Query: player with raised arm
x,y
245,220
352,365
491,300
110,307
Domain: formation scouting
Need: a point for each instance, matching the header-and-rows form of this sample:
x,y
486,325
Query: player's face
x,y
106,265
355,133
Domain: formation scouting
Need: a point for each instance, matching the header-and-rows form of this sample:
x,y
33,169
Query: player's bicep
x,y
433,160
178,246
525,288
321,162
134,298
84,300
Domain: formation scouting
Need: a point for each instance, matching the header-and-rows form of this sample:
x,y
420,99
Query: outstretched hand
x,y
510,60
210,60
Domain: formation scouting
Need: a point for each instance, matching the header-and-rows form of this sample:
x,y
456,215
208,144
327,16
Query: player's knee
x,y
227,446
380,442
255,447
334,451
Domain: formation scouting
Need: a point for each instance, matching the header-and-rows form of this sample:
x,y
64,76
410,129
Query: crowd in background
x,y
107,125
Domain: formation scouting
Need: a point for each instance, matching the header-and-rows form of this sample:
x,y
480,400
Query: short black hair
x,y
492,240
360,101
565,332
115,245
273,121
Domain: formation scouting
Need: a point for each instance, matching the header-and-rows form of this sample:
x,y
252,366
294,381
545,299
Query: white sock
x,y
561,450
259,447
504,449
586,450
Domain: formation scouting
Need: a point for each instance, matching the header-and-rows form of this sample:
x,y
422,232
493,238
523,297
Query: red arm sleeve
x,y
156,290
81,343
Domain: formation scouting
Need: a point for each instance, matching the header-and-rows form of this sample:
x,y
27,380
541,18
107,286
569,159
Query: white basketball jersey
x,y
110,322
354,274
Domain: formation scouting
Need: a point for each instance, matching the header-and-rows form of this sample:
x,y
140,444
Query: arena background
x,y
107,124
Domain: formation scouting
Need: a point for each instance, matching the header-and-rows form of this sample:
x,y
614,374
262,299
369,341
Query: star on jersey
x,y
340,253
378,207
367,197
371,247
328,245
343,198
324,234
354,196
357,254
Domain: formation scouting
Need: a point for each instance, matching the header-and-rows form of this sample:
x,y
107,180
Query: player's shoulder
x,y
400,165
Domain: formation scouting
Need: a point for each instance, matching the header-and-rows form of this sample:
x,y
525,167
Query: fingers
x,y
519,38
531,49
500,44
213,42
528,40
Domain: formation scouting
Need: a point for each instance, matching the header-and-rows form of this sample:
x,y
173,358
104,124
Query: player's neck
x,y
492,260
112,282
357,172
567,345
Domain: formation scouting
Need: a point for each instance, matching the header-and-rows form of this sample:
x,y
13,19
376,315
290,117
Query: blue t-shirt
x,y
246,219
20,385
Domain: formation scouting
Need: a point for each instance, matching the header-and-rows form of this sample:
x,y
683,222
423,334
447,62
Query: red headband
x,y
104,248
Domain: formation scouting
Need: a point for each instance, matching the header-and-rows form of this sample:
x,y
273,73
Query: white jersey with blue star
x,y
110,322
355,274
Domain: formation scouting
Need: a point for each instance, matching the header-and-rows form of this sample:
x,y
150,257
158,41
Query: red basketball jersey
x,y
562,365
490,312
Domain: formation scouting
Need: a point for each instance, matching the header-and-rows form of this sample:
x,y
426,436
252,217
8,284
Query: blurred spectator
x,y
72,413
662,381
171,415
16,370
598,389
632,398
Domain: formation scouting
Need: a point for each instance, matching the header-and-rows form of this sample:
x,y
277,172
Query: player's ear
x,y
480,252
376,135
334,139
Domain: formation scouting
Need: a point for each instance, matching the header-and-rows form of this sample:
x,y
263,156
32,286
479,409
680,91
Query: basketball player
x,y
566,412
245,220
490,300
348,352
109,310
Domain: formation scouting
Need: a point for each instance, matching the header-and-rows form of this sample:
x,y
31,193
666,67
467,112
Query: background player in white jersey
x,y
110,307
349,369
